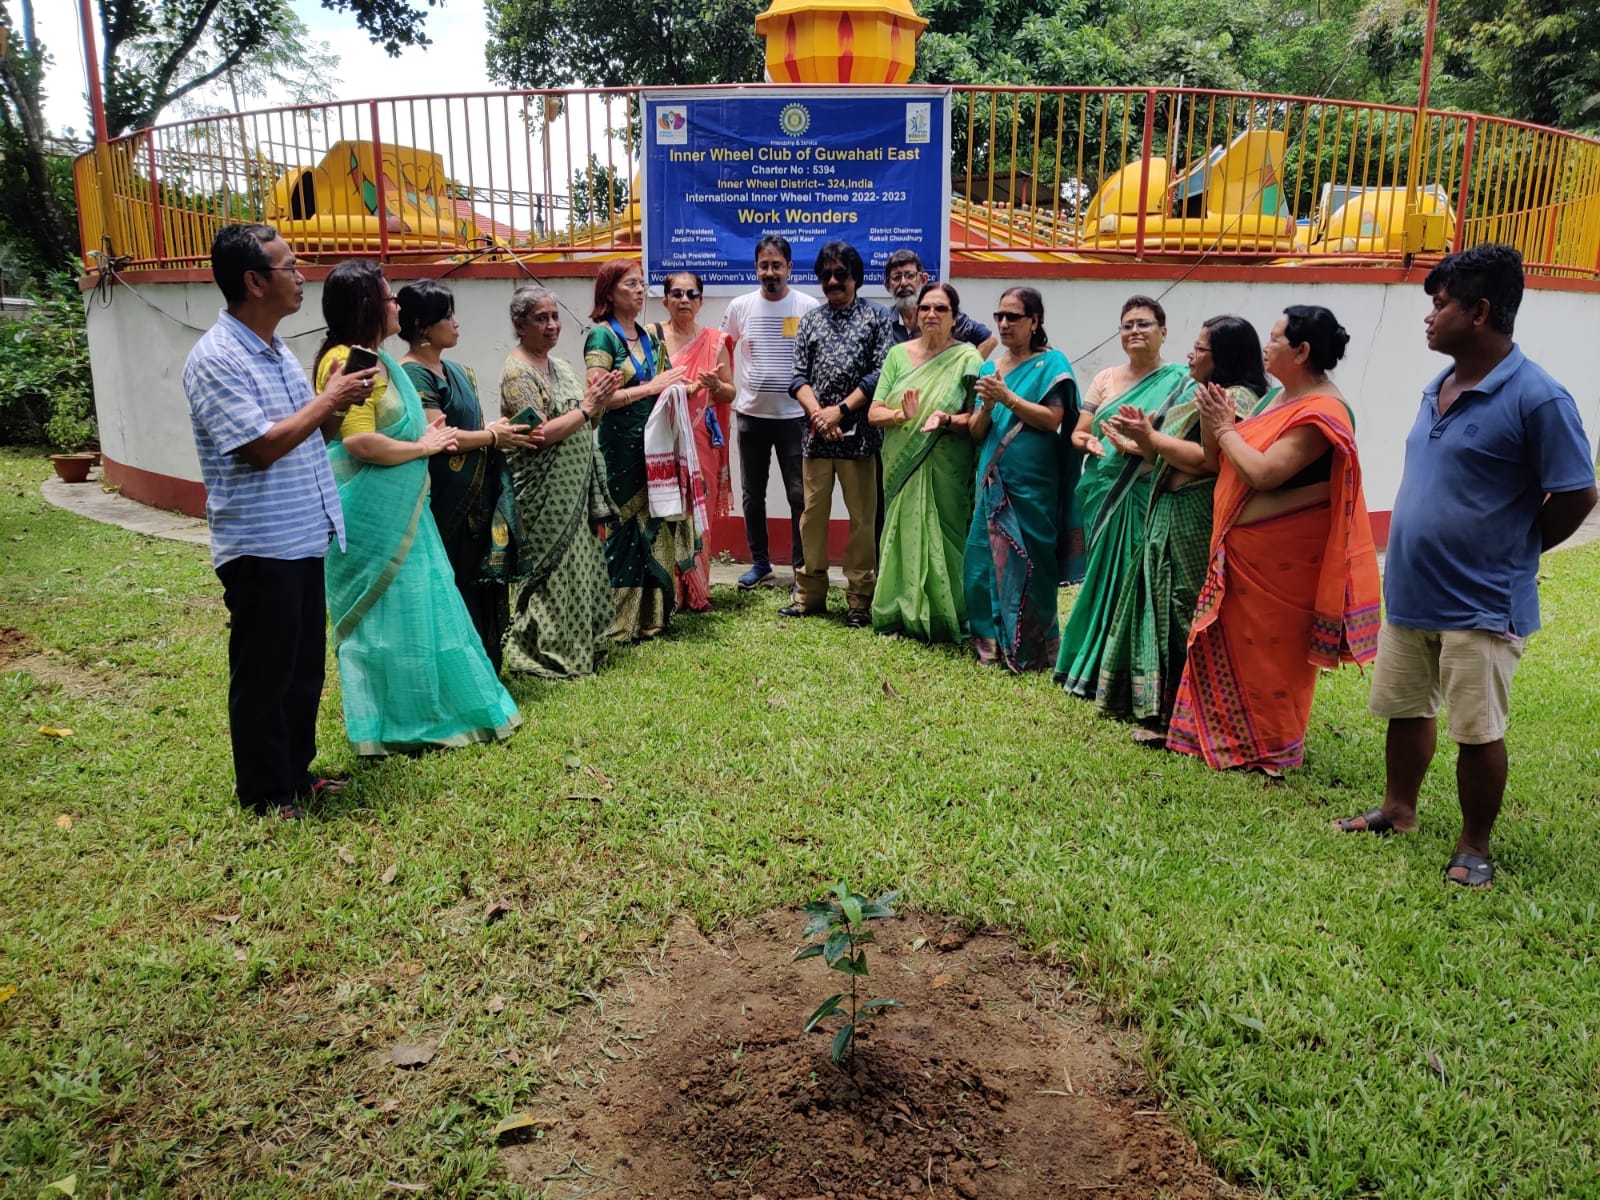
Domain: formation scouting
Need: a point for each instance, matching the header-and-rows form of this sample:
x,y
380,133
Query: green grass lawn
x,y
204,1000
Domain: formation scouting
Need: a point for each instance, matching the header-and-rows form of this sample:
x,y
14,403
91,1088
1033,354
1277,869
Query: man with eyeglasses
x,y
767,419
839,347
273,509
904,276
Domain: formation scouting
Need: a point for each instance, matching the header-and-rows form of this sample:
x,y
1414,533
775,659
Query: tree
x,y
1538,60
562,43
34,221
156,53
598,191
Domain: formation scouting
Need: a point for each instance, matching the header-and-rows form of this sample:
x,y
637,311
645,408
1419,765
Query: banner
x,y
869,166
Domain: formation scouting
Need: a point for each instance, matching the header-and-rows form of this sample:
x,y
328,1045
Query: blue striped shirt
x,y
239,387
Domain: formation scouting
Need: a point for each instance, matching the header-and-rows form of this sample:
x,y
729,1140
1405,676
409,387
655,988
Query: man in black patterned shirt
x,y
840,345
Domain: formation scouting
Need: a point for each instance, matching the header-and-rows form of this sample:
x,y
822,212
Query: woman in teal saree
x,y
641,551
922,402
1011,565
1148,643
470,488
413,671
1113,492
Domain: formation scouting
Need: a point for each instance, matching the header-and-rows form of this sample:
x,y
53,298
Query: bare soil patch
x,y
18,653
690,1078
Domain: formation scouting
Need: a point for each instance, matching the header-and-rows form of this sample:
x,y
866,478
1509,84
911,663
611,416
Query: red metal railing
x,y
1042,174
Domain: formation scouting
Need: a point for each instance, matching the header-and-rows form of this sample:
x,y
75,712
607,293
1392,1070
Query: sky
x,y
454,63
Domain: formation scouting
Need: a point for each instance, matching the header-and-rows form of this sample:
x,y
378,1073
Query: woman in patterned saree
x,y
1025,469
923,402
1291,587
641,551
563,608
413,669
1150,629
470,488
706,356
1114,490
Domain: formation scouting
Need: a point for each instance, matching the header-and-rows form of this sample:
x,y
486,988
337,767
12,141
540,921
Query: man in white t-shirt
x,y
767,419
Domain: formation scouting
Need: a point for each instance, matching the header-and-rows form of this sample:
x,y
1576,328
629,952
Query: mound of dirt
x,y
690,1079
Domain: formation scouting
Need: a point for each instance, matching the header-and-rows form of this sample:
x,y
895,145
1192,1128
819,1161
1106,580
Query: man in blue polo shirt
x,y
1498,470
273,508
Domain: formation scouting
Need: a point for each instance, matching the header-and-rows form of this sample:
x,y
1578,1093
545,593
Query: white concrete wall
x,y
138,345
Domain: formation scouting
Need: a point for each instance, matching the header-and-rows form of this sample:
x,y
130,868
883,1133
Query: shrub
x,y
45,388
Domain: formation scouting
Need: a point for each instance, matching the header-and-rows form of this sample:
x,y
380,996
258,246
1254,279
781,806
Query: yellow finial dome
x,y
840,41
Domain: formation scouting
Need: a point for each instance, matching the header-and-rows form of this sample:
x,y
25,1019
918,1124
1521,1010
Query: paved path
x,y
92,501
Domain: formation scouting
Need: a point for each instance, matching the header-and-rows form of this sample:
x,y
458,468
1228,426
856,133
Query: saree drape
x,y
640,550
1282,599
470,494
1149,635
560,613
1113,496
1010,567
927,489
412,667
698,356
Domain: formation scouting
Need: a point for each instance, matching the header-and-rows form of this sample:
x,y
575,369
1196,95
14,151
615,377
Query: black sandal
x,y
1375,822
1480,871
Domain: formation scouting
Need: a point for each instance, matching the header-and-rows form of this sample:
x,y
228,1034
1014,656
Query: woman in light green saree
x,y
1114,490
1149,638
412,668
923,402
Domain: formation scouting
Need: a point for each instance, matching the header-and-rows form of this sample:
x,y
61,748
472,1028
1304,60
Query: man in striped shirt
x,y
762,324
273,508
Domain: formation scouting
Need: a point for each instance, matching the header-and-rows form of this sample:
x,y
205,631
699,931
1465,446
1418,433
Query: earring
x,y
424,342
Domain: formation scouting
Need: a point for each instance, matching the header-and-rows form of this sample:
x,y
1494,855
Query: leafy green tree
x,y
1537,60
36,219
598,191
565,43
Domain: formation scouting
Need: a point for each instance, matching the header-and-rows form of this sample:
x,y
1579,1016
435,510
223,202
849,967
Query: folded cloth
x,y
674,485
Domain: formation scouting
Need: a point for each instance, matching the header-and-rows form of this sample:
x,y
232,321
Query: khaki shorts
x,y
1467,671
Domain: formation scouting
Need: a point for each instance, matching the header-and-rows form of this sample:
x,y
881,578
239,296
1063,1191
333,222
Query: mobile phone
x,y
528,417
359,360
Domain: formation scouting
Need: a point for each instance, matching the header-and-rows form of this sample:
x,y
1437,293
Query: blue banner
x,y
867,166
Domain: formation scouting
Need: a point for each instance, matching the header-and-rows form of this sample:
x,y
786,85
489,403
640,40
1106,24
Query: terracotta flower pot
x,y
73,468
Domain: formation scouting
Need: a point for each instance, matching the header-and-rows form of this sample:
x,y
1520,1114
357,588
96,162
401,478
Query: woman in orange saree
x,y
1291,587
706,355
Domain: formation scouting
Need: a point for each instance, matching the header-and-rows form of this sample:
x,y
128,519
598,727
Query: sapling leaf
x,y
820,923
865,936
887,900
881,1002
852,909
837,946
841,1043
874,910
841,890
825,1010
805,952
820,907
853,964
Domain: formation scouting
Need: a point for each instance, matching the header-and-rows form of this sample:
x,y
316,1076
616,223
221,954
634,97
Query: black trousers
x,y
276,647
759,437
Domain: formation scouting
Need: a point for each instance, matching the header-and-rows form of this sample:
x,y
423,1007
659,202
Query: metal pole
x,y
1418,128
91,66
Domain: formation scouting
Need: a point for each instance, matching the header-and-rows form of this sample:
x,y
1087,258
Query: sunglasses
x,y
684,294
835,274
933,308
1000,318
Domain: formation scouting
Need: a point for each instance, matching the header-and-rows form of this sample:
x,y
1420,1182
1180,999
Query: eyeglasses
x,y
391,300
293,267
834,274
933,308
634,284
1199,349
1137,326
905,276
1000,318
684,294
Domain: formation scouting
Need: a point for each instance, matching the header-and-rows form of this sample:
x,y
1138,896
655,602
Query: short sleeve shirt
x,y
763,362
238,387
834,351
1464,539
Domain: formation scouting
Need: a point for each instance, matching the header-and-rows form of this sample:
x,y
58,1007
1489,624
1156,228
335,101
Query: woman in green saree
x,y
1148,642
471,486
563,607
1025,467
923,402
412,668
1114,490
641,550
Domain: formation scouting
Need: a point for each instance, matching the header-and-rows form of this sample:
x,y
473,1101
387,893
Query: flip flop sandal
x,y
1480,871
1375,822
322,788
